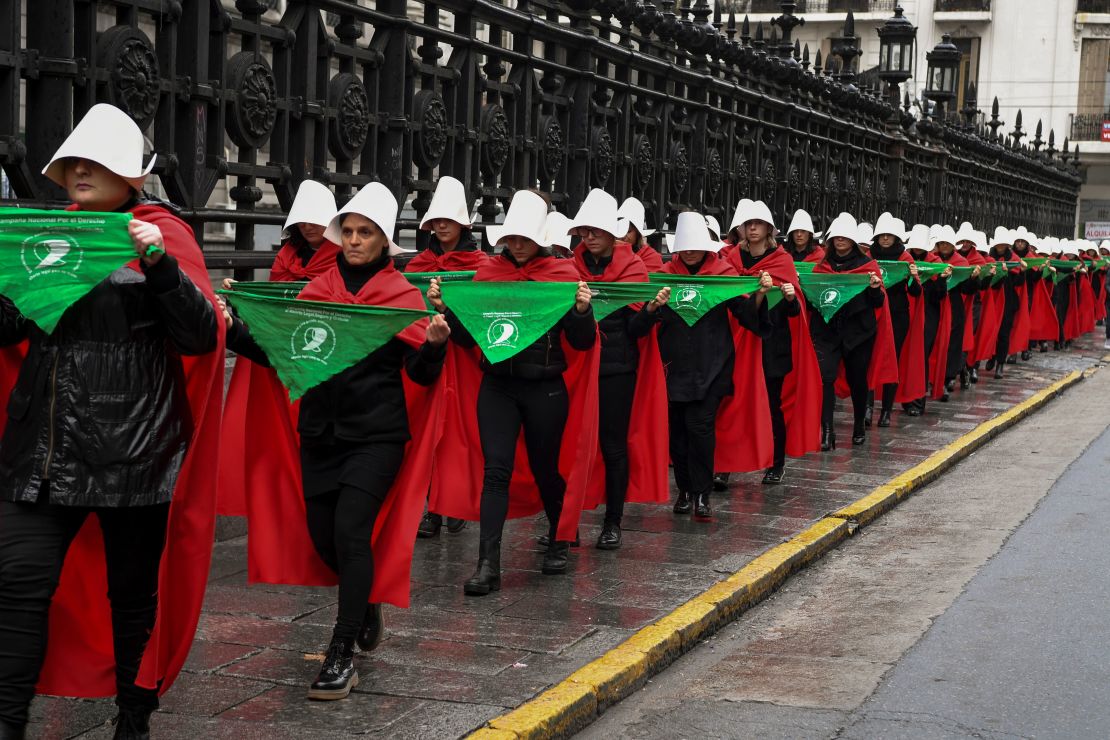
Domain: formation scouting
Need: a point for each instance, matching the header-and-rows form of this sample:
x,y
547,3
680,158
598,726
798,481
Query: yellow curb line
x,y
577,700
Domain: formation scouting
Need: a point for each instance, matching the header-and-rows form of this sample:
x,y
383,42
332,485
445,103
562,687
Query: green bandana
x,y
693,296
608,297
424,279
506,317
830,292
308,342
894,272
273,289
49,260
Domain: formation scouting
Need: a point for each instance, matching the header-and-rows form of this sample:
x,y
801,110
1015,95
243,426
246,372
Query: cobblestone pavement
x,y
450,662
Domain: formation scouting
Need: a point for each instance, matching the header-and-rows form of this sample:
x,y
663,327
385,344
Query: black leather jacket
x,y
100,408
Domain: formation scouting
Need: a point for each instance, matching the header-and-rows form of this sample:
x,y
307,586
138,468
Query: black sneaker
x,y
337,676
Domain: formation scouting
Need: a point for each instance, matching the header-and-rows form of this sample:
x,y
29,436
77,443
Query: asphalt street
x,y
977,608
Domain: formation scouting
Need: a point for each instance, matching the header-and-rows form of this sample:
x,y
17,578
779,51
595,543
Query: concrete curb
x,y
576,701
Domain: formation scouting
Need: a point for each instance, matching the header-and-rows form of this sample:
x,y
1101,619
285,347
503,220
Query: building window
x,y
1094,61
969,69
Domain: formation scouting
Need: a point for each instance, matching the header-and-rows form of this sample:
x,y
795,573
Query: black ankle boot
x,y
702,509
884,418
720,482
556,559
868,415
683,504
998,370
828,438
857,433
965,379
11,732
990,364
338,675
373,628
454,526
973,375
488,575
774,475
610,537
131,724
1044,346
1026,355
545,539
430,525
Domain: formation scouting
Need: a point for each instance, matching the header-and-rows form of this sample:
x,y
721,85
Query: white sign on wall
x,y
1096,230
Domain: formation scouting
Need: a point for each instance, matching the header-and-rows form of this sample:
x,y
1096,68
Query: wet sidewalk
x,y
450,663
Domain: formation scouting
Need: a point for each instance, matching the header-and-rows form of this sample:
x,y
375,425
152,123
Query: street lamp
x,y
896,42
944,64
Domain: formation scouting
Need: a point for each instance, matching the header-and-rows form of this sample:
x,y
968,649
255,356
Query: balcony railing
x,y
964,6
1094,6
811,6
1087,126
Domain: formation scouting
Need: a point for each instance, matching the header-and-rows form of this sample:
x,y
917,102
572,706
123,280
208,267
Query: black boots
x,y
488,576
556,558
610,538
774,475
884,418
431,524
373,629
544,540
131,724
702,510
683,504
868,415
857,432
828,438
965,379
720,482
11,732
990,364
338,675
973,374
1026,355
998,369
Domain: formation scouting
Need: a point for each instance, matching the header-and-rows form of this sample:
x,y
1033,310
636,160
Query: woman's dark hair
x,y
296,238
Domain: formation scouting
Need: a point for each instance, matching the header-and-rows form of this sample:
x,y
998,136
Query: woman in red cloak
x,y
100,456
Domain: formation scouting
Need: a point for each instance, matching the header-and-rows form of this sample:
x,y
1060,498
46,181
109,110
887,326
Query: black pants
x,y
856,361
693,443
1005,328
540,408
778,421
615,396
34,539
341,525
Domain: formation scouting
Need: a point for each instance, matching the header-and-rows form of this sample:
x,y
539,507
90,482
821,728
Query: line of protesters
x,y
114,419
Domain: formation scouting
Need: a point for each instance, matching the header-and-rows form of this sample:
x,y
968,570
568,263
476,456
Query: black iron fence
x,y
810,6
677,107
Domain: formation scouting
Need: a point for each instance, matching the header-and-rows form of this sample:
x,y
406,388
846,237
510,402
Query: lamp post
x,y
940,83
896,46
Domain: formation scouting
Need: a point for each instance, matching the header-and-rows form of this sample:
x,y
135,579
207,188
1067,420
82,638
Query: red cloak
x,y
279,549
817,255
884,360
801,389
1086,299
647,438
990,321
453,261
257,410
459,466
652,260
743,428
911,360
287,267
972,258
80,658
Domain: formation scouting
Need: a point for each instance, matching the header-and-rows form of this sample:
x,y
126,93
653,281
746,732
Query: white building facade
x,y
1048,59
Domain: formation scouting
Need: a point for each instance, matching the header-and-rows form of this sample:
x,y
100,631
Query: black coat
x,y
778,345
699,360
100,407
621,331
366,402
855,323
